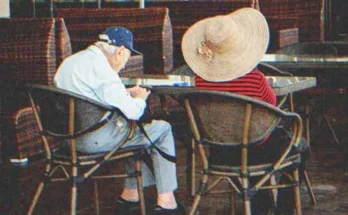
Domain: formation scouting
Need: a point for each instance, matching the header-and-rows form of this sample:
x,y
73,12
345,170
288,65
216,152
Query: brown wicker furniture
x,y
321,51
151,27
286,102
30,52
65,116
231,120
282,38
307,16
185,13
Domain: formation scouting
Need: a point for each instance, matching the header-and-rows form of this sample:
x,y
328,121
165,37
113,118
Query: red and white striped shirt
x,y
253,84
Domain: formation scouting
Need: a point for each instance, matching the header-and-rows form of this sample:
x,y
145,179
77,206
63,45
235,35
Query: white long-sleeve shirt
x,y
89,73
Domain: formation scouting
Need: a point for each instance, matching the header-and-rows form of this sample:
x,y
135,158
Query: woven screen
x,y
184,14
307,16
151,28
63,45
28,51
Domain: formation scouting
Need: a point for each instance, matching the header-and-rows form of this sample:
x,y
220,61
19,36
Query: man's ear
x,y
121,50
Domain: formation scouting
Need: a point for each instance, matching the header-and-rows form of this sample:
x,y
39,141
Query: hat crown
x,y
220,34
118,36
222,48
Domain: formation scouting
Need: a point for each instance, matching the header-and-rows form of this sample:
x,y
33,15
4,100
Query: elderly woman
x,y
224,51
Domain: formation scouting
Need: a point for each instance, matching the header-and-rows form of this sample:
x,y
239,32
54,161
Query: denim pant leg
x,y
160,133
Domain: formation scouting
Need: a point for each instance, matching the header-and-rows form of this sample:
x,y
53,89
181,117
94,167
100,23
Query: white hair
x,y
109,49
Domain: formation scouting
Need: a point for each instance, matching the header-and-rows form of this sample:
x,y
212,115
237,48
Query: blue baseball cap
x,y
118,36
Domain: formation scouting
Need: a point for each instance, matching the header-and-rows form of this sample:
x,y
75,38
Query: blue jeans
x,y
160,133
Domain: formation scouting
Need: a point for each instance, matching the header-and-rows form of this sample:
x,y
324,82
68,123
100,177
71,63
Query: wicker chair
x,y
325,87
233,121
66,116
270,70
286,103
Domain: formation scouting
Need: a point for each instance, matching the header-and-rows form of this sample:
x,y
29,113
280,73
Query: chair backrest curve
x,y
220,117
58,106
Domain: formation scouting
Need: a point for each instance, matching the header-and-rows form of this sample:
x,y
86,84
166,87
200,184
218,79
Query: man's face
x,y
125,57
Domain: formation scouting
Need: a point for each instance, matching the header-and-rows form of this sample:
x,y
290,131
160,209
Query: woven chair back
x,y
230,119
65,114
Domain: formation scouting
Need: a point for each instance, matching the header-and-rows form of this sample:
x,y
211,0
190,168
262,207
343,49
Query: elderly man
x,y
93,72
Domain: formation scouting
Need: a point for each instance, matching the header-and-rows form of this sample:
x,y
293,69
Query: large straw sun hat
x,y
226,47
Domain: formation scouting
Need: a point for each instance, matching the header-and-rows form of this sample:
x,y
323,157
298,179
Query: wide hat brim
x,y
245,52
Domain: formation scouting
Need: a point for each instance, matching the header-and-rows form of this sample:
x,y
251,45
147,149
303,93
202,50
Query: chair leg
x,y
307,125
73,199
246,196
140,187
36,198
96,198
198,195
297,197
246,203
193,168
332,130
309,187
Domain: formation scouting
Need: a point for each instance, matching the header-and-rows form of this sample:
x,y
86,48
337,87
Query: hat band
x,y
206,52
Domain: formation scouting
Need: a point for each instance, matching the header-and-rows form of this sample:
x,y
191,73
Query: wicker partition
x,y
282,38
63,45
307,16
151,28
29,51
184,14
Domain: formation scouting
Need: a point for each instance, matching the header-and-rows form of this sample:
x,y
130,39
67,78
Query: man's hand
x,y
139,92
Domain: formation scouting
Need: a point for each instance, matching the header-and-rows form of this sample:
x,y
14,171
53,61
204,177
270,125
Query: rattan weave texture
x,y
151,28
31,50
308,16
186,13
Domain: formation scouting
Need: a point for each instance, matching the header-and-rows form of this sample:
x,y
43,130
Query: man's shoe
x,y
180,210
125,207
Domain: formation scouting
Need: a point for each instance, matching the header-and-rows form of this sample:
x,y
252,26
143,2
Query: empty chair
x,y
65,116
287,102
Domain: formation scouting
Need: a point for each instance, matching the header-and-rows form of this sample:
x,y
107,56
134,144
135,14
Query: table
x,y
285,61
332,55
176,84
328,62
